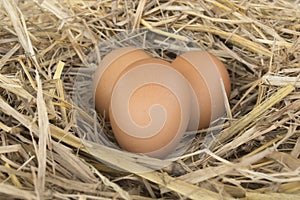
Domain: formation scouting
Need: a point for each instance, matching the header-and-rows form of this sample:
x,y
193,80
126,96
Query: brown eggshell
x,y
224,74
150,108
108,72
205,72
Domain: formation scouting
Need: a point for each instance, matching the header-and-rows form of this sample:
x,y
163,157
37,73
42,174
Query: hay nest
x,y
44,43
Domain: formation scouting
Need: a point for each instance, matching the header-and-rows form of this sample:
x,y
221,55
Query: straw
x,y
45,45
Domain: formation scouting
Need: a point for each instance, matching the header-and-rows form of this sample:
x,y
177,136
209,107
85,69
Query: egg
x,y
206,74
150,107
151,103
109,70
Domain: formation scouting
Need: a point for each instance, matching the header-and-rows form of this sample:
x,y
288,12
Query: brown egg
x,y
150,108
108,72
206,74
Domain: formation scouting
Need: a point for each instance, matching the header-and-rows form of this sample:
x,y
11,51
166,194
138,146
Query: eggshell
x,y
206,74
150,108
108,72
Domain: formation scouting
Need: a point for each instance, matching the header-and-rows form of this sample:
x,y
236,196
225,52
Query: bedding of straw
x,y
42,45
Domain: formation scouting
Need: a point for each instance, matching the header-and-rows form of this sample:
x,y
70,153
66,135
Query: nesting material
x,y
45,43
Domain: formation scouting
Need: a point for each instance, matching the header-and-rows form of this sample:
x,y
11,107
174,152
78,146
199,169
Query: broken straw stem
x,y
281,80
240,124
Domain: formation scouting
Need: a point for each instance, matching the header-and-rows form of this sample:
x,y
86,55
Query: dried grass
x,y
43,43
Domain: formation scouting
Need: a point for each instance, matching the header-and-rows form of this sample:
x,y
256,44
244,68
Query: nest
x,y
44,44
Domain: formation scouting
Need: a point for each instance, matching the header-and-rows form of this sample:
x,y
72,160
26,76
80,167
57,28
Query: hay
x,y
44,43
